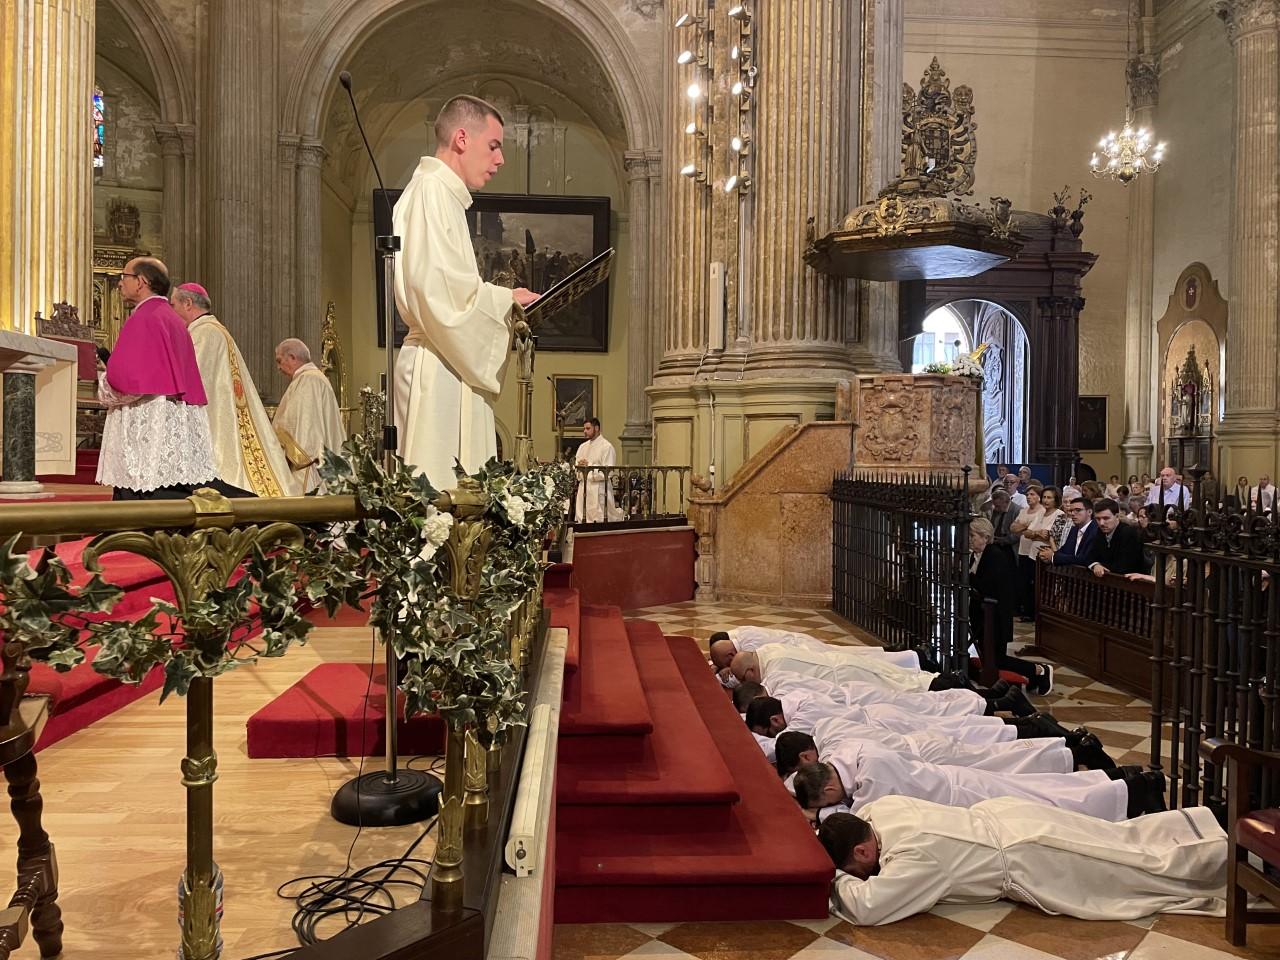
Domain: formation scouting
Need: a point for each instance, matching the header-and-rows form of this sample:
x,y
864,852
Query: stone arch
x,y
345,28
173,85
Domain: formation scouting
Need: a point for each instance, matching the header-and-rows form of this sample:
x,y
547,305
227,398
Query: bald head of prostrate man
x,y
469,139
746,667
721,650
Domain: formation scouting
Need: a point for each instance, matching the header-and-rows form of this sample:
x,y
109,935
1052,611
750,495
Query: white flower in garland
x,y
548,487
435,531
515,508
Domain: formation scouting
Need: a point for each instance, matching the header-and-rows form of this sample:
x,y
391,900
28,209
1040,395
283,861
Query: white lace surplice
x,y
151,442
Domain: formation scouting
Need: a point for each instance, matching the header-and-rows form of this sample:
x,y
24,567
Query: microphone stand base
x,y
375,800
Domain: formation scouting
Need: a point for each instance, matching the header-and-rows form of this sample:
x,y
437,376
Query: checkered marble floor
x,y
999,931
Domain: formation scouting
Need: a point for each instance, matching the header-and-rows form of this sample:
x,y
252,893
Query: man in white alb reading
x,y
450,368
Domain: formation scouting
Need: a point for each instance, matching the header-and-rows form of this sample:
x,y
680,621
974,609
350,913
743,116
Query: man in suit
x,y
1117,548
1075,551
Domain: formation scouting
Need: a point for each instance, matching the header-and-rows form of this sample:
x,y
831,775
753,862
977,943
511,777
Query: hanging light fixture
x,y
1133,151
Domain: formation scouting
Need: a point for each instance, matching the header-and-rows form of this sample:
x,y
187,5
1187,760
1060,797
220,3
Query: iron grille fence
x,y
1215,640
622,497
900,559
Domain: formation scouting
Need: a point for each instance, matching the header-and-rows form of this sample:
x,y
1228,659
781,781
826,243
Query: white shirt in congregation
x,y
1176,496
1053,859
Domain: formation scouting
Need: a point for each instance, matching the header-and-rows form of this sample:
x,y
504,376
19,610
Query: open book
x,y
576,285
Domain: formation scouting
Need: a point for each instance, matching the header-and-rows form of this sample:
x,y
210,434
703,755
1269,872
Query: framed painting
x,y
525,240
578,396
1091,423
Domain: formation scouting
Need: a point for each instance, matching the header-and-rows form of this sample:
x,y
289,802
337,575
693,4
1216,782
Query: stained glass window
x,y
99,128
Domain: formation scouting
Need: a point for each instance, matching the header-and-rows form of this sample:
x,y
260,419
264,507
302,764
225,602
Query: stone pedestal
x,y
39,413
917,422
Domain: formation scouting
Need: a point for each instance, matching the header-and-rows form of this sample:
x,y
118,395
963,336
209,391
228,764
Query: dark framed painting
x,y
578,396
526,240
1091,423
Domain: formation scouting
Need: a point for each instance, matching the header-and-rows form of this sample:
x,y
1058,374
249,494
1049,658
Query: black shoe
x,y
1088,751
1139,791
1016,702
1000,688
1041,683
1155,784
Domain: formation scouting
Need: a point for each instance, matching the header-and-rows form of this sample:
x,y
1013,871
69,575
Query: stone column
x,y
636,435
807,117
241,176
1137,447
875,346
192,202
175,224
46,158
1248,433
285,288
309,311
19,467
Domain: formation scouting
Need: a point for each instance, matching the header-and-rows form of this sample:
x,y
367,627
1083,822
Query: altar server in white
x,y
308,420
856,772
595,496
450,367
902,856
245,448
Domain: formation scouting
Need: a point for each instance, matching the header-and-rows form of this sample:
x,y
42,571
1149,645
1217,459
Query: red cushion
x,y
1259,832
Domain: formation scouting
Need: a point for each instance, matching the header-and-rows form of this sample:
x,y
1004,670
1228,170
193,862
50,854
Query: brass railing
x,y
629,496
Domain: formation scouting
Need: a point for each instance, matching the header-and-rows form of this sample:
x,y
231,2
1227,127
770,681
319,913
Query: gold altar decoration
x,y
919,227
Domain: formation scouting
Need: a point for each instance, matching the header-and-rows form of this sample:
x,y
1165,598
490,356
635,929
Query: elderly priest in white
x,y
308,420
245,449
595,503
451,365
902,856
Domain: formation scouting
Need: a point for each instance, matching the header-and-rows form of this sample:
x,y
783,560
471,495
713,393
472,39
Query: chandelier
x,y
1133,151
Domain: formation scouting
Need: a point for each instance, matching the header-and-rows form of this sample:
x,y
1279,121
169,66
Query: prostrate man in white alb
x,y
245,448
308,420
451,365
902,856
725,644
595,496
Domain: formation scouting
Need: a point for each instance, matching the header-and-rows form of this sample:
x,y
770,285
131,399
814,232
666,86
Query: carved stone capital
x,y
1144,81
636,165
187,131
289,147
170,139
311,153
1243,17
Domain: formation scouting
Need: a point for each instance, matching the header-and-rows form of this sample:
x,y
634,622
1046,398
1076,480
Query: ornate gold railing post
x,y
525,343
476,804
197,563
465,553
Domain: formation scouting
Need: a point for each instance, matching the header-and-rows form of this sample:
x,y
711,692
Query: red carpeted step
x,y
765,864
558,576
563,610
605,697
679,776
328,713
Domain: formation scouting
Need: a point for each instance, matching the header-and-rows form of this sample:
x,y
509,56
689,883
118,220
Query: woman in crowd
x,y
1242,493
1049,528
1026,553
992,577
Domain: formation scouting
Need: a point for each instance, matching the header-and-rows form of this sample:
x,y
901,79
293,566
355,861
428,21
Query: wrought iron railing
x,y
629,496
1215,652
900,559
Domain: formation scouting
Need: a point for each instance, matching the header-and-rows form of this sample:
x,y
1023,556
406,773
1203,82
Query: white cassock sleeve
x,y
910,883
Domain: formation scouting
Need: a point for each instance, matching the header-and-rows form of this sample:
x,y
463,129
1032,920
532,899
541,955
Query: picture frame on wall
x,y
528,240
1091,423
581,394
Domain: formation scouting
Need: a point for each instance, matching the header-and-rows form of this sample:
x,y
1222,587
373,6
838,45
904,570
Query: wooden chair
x,y
35,903
1248,831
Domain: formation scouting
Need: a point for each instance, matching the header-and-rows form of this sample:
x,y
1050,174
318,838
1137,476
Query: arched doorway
x,y
952,330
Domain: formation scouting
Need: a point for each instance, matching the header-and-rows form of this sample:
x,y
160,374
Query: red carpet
x,y
327,714
689,821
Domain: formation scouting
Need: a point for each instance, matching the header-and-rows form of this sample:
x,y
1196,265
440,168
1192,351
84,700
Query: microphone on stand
x,y
394,796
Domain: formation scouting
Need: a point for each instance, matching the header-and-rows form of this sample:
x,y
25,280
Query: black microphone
x,y
344,78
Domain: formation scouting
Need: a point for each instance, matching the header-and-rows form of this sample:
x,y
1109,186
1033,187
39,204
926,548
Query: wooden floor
x,y
115,809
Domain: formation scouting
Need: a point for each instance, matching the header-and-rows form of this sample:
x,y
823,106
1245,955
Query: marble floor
x,y
1000,931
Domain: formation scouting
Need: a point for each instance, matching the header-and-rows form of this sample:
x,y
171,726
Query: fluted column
x,y
807,118
193,202
688,219
310,313
875,346
285,289
1248,430
1137,447
175,224
241,176
46,158
639,354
